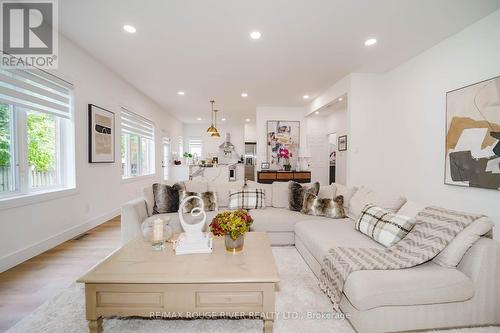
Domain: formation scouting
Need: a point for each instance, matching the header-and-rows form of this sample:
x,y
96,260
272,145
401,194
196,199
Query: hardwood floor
x,y
25,287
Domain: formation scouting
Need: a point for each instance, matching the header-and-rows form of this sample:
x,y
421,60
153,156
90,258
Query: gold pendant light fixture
x,y
216,133
212,129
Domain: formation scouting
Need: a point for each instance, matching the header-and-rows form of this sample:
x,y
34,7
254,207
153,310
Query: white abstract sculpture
x,y
193,239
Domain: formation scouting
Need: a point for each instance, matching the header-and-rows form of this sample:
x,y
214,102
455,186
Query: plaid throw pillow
x,y
247,199
383,226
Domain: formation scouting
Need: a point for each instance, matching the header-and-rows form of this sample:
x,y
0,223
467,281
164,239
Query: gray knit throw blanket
x,y
434,229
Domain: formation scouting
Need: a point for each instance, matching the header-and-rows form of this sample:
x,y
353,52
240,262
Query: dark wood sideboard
x,y
268,177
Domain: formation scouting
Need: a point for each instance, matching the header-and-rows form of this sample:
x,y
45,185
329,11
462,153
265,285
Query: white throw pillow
x,y
268,190
365,196
346,191
455,250
411,208
280,195
327,192
223,189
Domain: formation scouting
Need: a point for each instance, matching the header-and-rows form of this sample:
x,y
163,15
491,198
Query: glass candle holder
x,y
157,231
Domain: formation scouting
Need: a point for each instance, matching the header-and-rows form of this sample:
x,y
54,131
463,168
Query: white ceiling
x,y
203,47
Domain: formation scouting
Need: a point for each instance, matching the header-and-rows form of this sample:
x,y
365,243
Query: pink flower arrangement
x,y
284,153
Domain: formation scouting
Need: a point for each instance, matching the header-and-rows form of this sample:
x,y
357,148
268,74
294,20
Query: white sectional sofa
x,y
428,296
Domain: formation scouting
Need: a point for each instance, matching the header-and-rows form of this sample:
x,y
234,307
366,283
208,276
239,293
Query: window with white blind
x,y
36,133
137,145
195,146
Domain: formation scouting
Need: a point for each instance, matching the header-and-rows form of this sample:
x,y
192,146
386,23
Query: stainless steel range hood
x,y
227,146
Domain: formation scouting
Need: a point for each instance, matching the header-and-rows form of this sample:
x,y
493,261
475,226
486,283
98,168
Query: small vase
x,y
287,167
234,245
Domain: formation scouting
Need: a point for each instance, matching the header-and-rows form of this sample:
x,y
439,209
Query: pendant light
x,y
216,133
212,129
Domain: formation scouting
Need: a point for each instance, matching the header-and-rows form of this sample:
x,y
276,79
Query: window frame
x,y
127,175
197,142
23,193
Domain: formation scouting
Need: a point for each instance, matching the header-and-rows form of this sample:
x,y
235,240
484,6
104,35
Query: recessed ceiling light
x,y
198,118
370,42
305,97
255,35
244,95
223,119
247,120
181,93
317,112
340,99
130,29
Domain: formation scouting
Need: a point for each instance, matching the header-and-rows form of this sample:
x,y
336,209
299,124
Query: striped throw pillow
x,y
383,226
247,199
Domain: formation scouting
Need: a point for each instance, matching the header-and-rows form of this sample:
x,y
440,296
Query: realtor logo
x,y
29,34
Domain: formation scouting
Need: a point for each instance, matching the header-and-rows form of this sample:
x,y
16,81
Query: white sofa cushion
x,y
280,195
455,250
411,208
276,219
268,190
424,284
346,191
223,189
364,196
327,192
196,186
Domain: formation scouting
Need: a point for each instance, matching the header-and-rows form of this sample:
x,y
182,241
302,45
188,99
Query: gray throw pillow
x,y
332,208
296,193
166,198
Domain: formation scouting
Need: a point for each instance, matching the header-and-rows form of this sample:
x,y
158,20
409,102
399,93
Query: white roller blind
x,y
36,90
134,124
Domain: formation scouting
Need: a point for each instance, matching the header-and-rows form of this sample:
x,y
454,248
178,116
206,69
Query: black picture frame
x,y
342,143
264,166
93,156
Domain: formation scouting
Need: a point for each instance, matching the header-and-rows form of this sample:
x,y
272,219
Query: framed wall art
x,y
101,135
283,141
342,144
472,144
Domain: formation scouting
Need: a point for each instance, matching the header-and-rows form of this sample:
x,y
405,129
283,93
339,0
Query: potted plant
x,y
285,154
187,157
232,225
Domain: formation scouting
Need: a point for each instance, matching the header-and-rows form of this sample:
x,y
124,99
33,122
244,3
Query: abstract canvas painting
x,y
283,139
101,135
473,135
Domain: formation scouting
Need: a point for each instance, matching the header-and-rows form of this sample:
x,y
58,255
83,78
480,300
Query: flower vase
x,y
234,245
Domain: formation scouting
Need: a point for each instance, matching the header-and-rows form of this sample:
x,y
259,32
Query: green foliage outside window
x,y
41,131
4,136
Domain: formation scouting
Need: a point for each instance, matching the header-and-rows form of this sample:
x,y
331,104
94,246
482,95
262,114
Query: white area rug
x,y
298,298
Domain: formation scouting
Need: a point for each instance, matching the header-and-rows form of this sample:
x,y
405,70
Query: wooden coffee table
x,y
138,281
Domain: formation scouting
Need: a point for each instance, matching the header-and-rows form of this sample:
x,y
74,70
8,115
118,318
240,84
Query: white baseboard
x,y
30,251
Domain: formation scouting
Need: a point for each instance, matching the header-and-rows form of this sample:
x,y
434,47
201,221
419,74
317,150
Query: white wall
x,y
211,144
397,120
29,230
318,128
265,113
250,132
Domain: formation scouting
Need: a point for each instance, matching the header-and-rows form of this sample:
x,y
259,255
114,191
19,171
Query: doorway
x,y
332,154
